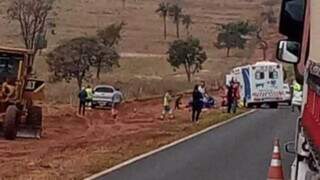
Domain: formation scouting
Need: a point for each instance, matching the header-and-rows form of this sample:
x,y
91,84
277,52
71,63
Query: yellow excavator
x,y
19,114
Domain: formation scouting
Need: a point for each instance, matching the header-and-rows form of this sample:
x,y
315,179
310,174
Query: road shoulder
x,y
162,148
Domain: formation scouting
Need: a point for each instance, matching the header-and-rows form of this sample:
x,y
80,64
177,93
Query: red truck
x,y
300,22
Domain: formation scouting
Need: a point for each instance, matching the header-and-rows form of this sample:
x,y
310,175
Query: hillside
x,y
143,33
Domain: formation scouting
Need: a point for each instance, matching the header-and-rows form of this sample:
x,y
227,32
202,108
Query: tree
x,y
104,58
263,44
187,53
269,16
123,4
71,60
187,21
175,12
233,35
33,18
162,10
111,35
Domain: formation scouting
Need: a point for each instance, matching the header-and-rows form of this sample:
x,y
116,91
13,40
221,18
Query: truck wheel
x,y
34,117
10,123
273,105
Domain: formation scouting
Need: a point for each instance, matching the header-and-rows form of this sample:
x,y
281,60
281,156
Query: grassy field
x,y
142,34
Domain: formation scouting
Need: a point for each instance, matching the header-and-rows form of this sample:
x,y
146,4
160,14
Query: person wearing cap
x,y
82,99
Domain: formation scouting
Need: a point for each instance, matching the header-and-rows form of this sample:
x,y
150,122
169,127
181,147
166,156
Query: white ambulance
x,y
260,83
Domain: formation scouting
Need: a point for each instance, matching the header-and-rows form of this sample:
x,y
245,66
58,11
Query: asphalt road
x,y
240,150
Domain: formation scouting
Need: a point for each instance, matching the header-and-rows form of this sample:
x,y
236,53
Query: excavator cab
x,y
19,116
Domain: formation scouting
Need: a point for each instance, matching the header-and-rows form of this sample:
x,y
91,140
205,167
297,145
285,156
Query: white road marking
x,y
142,156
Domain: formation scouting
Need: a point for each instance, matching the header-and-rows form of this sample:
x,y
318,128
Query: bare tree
x,y
33,17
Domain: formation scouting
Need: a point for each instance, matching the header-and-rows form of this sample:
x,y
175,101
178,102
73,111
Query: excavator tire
x,y
34,117
10,123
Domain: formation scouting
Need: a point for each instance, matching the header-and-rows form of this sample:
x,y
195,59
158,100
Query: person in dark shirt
x,y
196,104
230,96
82,99
178,101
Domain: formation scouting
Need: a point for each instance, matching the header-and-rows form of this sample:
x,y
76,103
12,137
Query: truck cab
x,y
299,21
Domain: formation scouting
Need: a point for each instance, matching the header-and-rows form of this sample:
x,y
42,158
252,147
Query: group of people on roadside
x,y
230,95
86,99
233,95
199,97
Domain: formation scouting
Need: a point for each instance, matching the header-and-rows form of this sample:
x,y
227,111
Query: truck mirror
x,y
290,147
288,51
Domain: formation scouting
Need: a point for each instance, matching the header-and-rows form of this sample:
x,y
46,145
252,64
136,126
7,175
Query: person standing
x,y
196,104
167,109
178,101
202,88
235,96
82,99
297,96
230,96
89,98
117,98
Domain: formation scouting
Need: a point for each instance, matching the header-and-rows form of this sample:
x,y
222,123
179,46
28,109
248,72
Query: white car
x,y
287,94
102,95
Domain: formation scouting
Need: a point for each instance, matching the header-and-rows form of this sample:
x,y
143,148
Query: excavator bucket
x,y
33,126
32,133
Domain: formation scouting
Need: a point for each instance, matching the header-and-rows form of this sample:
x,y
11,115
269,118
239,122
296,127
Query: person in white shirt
x,y
202,88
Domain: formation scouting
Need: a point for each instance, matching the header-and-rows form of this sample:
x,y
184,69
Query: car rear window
x,y
104,90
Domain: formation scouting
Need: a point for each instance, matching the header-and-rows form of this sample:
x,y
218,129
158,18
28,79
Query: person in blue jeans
x,y
196,104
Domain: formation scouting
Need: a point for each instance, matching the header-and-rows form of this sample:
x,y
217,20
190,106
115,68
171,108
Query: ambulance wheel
x,y
273,105
10,123
258,105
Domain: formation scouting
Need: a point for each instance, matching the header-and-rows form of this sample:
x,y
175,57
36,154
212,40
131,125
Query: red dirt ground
x,y
68,140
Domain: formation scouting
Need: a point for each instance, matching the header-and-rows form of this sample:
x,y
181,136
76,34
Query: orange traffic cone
x,y
275,169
